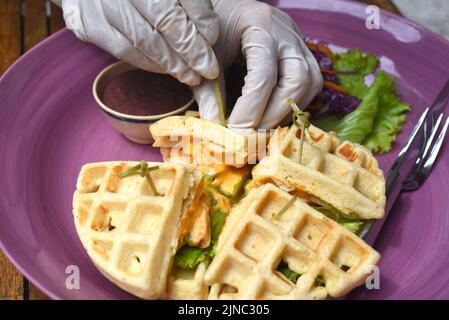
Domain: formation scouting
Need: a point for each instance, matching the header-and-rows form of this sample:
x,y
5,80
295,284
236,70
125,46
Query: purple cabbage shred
x,y
332,102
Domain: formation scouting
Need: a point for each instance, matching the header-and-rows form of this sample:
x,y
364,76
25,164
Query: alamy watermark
x,y
372,282
372,21
72,281
199,147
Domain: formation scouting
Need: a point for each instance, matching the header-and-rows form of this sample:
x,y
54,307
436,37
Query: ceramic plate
x,y
50,126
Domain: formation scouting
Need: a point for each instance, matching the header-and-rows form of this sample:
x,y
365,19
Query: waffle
x,y
255,241
129,233
183,139
343,174
186,284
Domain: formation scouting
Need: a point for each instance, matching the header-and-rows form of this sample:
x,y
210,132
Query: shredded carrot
x,y
322,48
335,87
311,46
315,106
328,71
325,49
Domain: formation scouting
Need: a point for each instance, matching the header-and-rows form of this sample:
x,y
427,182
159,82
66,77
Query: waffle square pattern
x,y
185,284
131,234
328,260
343,174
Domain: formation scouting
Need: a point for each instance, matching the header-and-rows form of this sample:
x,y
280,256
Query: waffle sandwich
x,y
191,140
275,246
130,233
344,175
205,224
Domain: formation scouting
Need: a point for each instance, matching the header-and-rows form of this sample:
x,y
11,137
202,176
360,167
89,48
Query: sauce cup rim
x,y
95,87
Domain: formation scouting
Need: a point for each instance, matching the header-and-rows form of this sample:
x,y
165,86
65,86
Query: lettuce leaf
x,y
189,257
319,282
356,60
389,119
361,64
288,273
353,225
378,119
357,125
381,114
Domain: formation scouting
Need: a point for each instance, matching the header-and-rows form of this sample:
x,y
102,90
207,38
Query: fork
x,y
414,174
427,157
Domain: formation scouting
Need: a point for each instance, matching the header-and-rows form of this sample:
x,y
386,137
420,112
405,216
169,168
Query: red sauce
x,y
141,93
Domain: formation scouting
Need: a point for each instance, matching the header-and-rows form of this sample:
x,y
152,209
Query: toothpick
x,y
219,102
143,170
285,208
301,121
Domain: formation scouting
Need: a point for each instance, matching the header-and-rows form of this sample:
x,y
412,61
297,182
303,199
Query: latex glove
x,y
164,36
279,64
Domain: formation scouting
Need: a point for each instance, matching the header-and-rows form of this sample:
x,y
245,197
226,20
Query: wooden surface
x,y
17,35
13,43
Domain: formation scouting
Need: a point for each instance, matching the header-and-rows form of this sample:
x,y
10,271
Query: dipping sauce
x,y
141,93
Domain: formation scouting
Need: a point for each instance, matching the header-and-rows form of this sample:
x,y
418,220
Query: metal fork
x,y
414,162
427,158
415,174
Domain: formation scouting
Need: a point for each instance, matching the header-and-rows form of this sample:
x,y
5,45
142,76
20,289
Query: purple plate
x,y
50,126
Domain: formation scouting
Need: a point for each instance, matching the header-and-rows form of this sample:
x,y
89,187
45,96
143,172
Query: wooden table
x,y
22,25
21,29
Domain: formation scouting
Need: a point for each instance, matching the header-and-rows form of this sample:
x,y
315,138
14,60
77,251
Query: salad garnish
x,y
371,115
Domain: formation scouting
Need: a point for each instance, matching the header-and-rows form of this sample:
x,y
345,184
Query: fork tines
x,y
427,158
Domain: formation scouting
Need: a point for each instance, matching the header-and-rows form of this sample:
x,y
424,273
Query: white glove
x,y
279,64
164,36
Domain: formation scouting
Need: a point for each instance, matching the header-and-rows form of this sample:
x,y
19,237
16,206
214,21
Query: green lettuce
x,y
357,125
353,225
287,272
356,60
380,115
319,281
389,119
293,276
361,64
189,257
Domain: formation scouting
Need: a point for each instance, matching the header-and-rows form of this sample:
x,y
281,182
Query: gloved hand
x,y
279,64
164,36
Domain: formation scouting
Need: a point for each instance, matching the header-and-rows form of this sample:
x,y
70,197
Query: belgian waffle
x,y
130,233
256,239
343,174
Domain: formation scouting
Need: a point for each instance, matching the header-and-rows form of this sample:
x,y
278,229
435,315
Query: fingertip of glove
x,y
241,131
212,72
213,32
191,79
269,124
